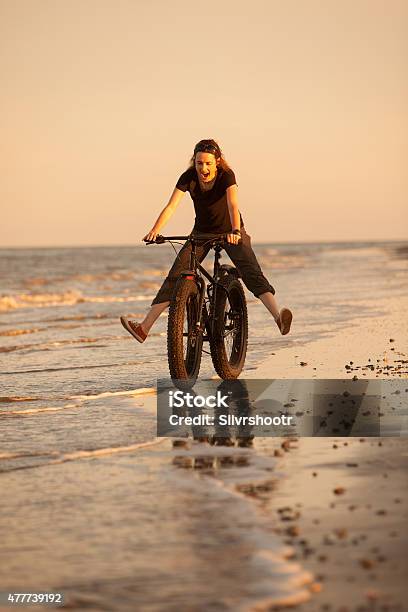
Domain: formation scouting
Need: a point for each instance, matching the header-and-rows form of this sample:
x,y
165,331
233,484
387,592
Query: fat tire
x,y
181,369
229,368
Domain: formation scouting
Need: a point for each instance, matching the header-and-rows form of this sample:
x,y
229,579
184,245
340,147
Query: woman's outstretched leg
x,y
269,301
247,264
141,330
152,315
162,299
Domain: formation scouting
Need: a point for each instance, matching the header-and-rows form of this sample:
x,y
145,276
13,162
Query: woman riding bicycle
x,y
212,186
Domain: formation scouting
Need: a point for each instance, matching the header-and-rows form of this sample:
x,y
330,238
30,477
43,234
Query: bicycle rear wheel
x,y
184,338
229,340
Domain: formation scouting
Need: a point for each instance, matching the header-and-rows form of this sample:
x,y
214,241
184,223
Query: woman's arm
x,y
232,201
165,214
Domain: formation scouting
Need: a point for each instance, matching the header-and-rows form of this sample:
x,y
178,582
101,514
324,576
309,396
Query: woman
x,y
213,189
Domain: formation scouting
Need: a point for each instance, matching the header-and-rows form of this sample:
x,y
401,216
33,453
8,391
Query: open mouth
x,y
205,175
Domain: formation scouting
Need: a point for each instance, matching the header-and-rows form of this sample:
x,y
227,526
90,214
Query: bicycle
x,y
215,313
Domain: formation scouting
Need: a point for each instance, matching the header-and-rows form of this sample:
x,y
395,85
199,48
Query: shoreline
x,y
353,542
371,347
130,245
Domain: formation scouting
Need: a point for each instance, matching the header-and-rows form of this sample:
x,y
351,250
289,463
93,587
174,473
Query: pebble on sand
x,y
286,445
366,563
293,531
341,533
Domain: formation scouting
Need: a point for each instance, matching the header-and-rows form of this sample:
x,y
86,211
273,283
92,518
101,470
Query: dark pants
x,y
242,256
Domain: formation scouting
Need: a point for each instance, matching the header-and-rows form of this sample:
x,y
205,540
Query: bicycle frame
x,y
211,288
197,272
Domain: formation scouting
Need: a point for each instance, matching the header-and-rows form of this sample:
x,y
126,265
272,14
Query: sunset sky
x,y
102,102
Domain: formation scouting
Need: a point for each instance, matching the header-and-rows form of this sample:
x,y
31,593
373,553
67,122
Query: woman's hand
x,y
151,236
233,238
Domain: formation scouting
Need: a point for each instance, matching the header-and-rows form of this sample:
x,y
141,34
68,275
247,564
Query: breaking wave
x,y
19,332
68,298
39,346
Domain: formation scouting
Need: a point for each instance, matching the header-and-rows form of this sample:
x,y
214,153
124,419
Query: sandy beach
x,y
343,505
372,347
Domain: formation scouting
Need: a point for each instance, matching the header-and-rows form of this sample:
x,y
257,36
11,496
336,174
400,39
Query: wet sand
x,y
94,506
316,523
343,504
148,527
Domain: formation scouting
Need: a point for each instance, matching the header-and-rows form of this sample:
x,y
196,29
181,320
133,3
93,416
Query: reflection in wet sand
x,y
180,529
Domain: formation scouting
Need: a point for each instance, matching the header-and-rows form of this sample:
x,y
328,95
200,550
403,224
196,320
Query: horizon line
x,y
128,245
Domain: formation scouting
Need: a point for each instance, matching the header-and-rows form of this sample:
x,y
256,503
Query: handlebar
x,y
201,237
161,239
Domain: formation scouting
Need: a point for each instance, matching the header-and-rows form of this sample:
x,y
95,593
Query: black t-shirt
x,y
211,208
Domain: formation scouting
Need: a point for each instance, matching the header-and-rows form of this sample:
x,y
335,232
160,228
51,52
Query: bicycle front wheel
x,y
184,335
229,340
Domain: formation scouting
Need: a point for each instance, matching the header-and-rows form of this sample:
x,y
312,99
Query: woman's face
x,y
206,166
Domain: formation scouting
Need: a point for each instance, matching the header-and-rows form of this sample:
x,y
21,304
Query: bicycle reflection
x,y
214,427
219,435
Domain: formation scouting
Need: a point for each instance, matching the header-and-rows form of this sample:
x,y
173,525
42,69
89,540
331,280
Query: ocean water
x,y
93,504
60,335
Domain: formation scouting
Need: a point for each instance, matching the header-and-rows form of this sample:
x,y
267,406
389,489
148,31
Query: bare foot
x,y
284,321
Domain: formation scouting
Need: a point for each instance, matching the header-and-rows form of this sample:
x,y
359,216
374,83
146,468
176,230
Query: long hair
x,y
210,146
